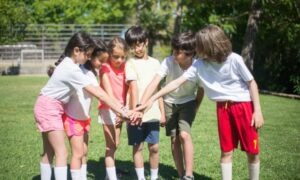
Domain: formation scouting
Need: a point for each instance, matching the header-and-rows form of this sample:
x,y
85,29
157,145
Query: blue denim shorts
x,y
147,132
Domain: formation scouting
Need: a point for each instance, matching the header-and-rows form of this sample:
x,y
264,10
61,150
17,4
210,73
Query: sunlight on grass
x,y
21,143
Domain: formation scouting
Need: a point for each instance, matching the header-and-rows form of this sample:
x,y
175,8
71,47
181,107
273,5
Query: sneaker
x,y
187,178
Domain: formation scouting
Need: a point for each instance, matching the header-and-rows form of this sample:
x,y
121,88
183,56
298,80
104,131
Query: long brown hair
x,y
212,44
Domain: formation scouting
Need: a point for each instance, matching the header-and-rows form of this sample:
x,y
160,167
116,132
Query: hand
x,y
145,107
119,121
136,118
163,121
257,120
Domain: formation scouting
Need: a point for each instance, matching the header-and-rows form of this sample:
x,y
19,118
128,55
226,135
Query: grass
x,y
21,143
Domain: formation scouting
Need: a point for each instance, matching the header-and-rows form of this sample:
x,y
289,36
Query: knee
x,y
153,149
184,136
62,154
253,158
110,149
226,157
78,154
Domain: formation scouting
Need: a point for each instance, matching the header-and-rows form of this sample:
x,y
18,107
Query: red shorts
x,y
75,127
234,125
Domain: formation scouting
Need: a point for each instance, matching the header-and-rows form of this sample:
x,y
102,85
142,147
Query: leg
x,y
110,135
139,161
154,160
77,145
188,152
226,165
177,155
84,159
57,141
253,166
46,158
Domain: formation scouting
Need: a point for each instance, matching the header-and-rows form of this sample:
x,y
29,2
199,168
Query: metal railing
x,y
51,39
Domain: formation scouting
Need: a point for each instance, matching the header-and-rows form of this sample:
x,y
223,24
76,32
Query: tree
x,y
12,13
249,38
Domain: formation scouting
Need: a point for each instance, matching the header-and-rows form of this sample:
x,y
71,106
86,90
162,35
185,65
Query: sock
x,y
60,173
45,171
226,171
254,171
140,173
76,174
83,171
111,173
154,174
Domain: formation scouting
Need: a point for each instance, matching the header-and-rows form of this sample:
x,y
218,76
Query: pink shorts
x,y
75,127
48,114
234,124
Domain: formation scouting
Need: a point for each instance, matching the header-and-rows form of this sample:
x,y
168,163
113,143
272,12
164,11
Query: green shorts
x,y
179,117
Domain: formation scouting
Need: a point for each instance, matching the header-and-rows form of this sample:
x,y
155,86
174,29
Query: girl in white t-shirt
x,y
77,119
227,81
65,80
112,80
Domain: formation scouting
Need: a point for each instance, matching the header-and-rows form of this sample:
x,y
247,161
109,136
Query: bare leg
x,y
188,152
177,155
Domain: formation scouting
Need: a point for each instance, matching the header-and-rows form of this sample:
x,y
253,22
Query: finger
x,y
252,122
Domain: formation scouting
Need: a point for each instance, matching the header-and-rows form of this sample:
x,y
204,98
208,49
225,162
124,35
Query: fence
x,y
46,42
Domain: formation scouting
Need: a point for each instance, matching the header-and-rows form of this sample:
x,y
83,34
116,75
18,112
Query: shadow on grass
x,y
126,171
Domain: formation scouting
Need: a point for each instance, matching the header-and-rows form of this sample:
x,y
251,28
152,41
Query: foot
x,y
187,178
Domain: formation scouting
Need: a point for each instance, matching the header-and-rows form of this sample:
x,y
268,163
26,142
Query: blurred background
x,y
33,33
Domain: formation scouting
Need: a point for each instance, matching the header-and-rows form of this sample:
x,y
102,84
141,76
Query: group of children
x,y
137,89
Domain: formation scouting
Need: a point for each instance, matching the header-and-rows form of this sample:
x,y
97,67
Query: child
x,y
180,105
77,119
112,75
139,72
66,79
226,80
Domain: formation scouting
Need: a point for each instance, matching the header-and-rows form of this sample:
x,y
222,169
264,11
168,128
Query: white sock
x,y
60,173
140,173
83,171
254,171
111,173
226,171
45,171
76,174
154,174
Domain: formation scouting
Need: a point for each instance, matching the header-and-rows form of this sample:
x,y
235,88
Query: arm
x,y
134,94
100,94
168,88
199,97
150,89
162,112
105,82
257,119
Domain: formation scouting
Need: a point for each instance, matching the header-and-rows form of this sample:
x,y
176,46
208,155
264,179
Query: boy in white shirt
x,y
140,70
182,104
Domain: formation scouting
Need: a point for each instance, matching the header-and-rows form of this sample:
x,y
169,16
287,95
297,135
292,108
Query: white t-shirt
x,y
80,102
143,71
222,81
66,78
171,70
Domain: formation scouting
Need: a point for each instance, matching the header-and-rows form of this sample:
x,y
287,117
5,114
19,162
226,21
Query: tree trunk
x,y
178,17
251,31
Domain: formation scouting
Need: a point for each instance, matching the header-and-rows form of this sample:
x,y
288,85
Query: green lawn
x,y
21,143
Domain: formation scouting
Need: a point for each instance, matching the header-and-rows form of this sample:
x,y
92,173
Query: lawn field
x,y
21,143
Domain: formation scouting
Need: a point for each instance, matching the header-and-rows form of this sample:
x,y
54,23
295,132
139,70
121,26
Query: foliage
x,y
12,13
277,61
277,44
81,12
21,143
155,18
